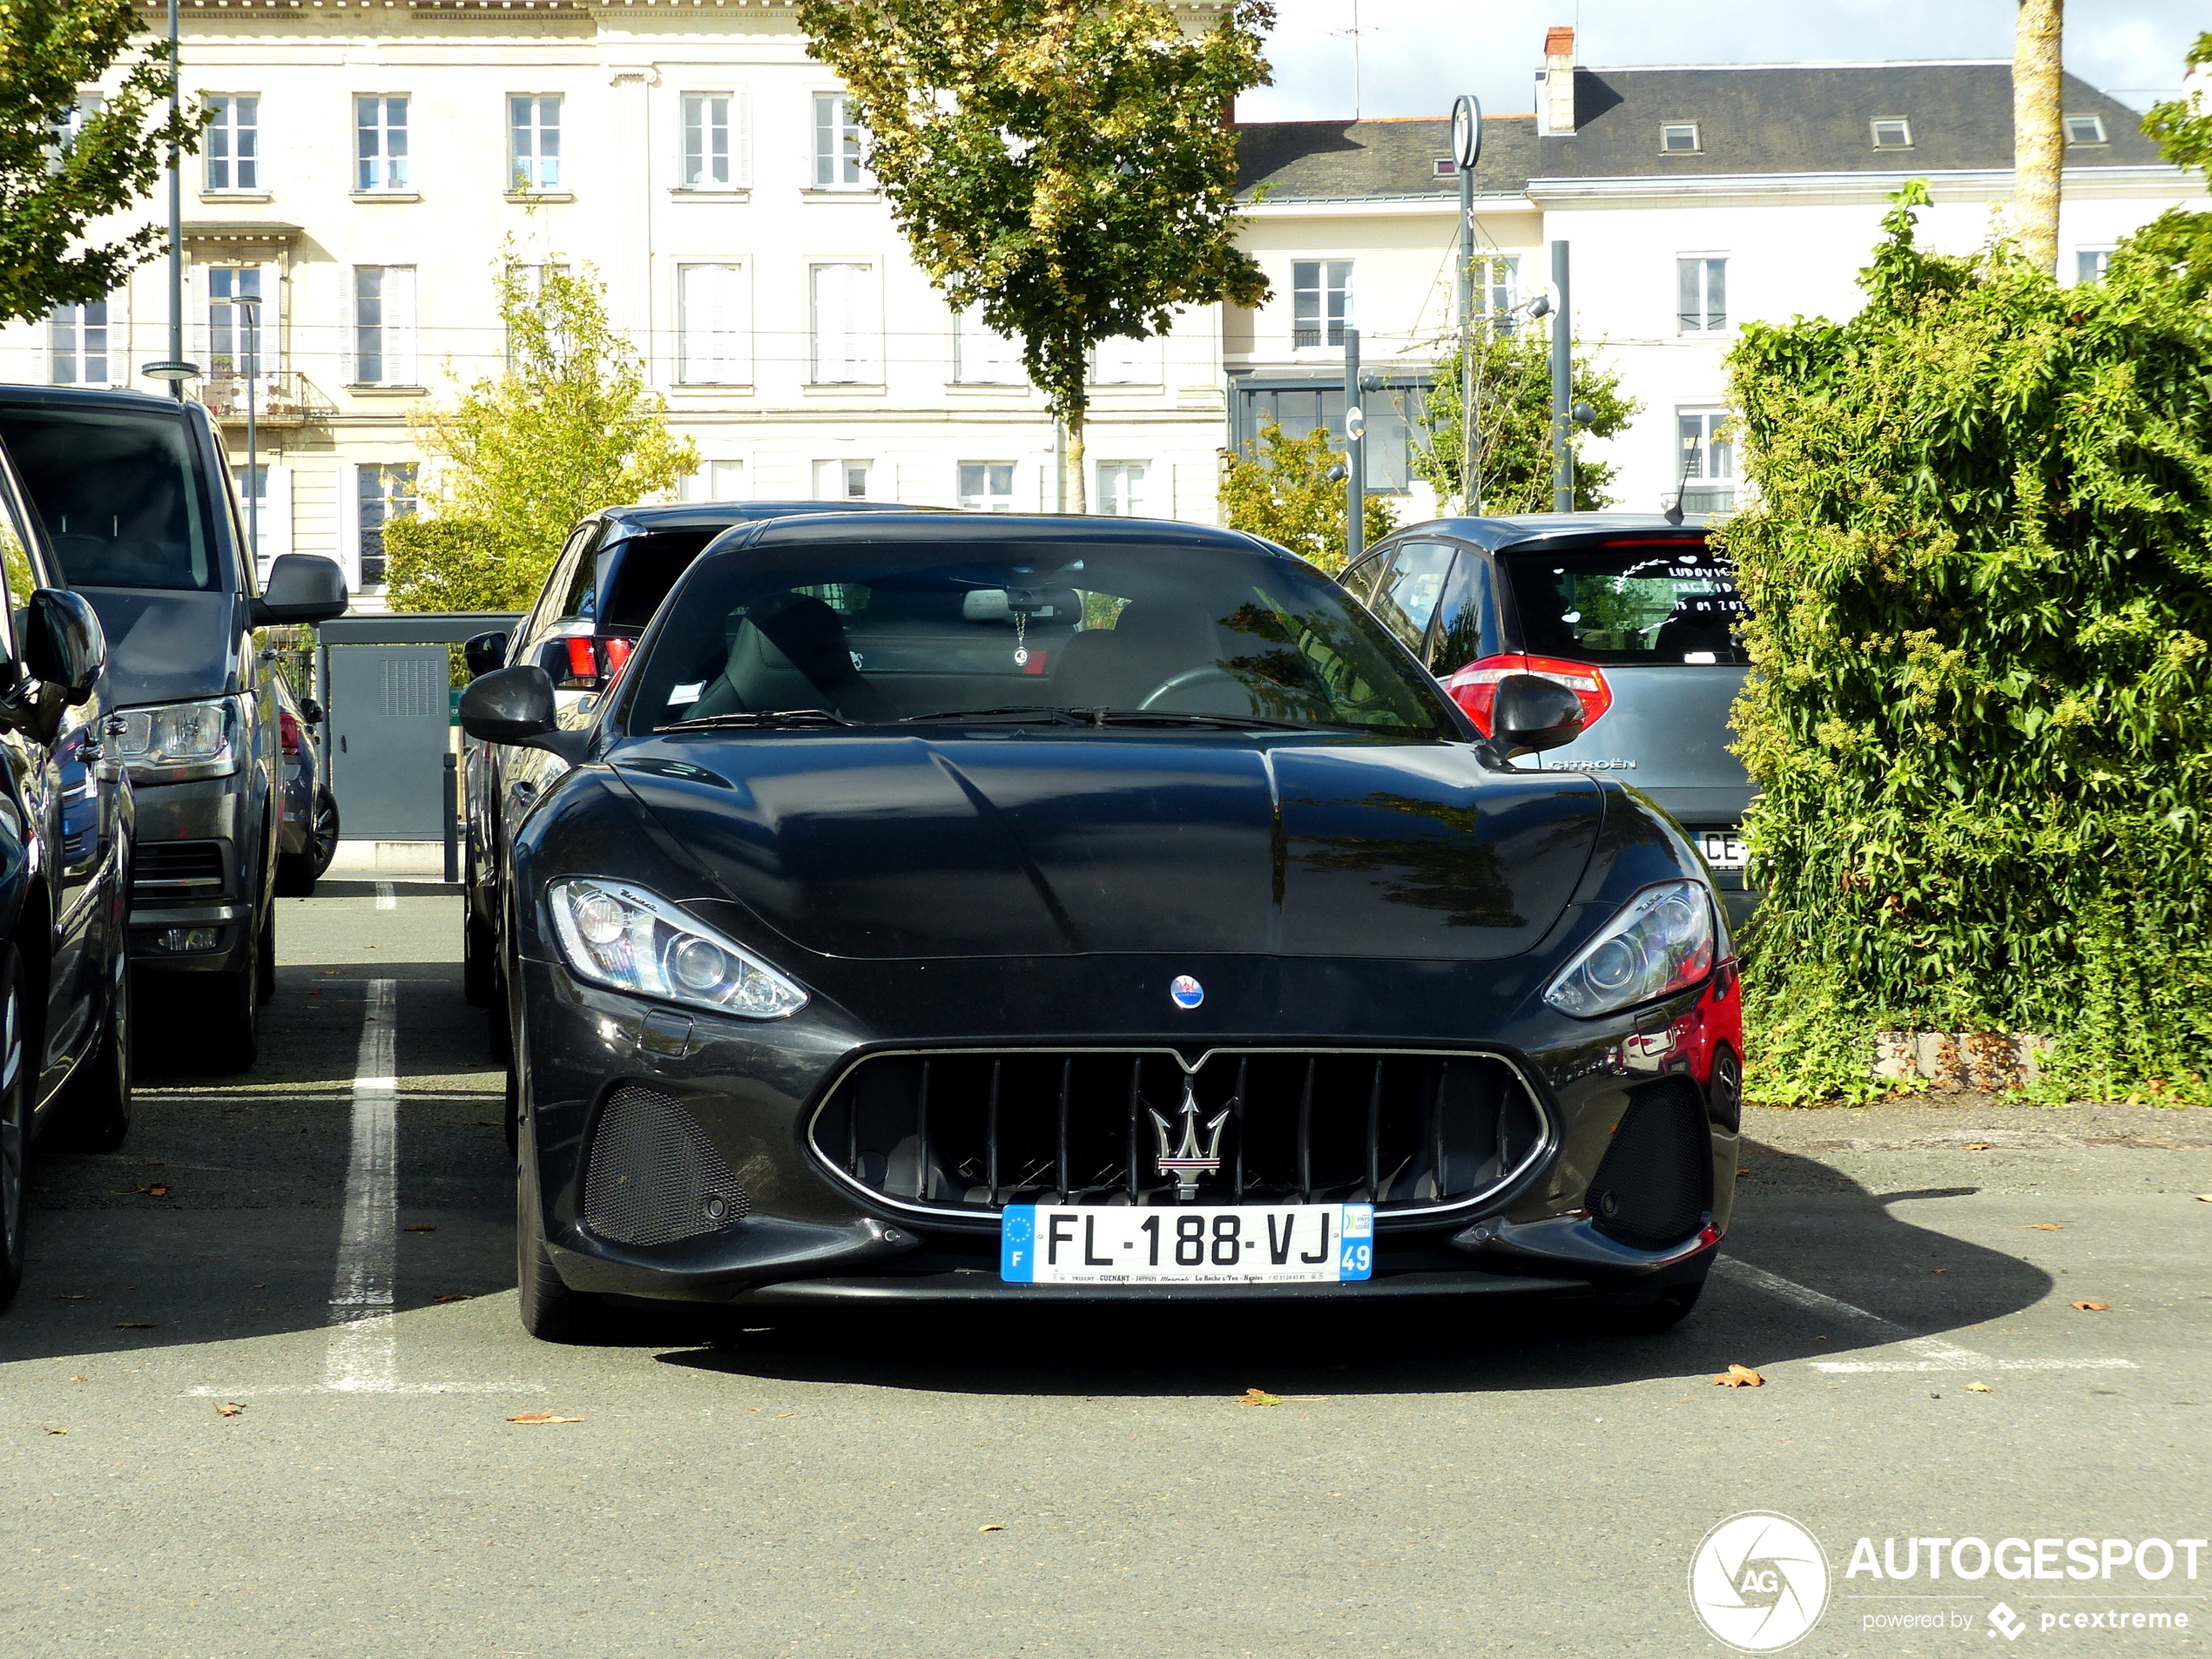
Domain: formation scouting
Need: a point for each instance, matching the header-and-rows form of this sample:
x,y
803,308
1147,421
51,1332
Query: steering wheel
x,y
1189,676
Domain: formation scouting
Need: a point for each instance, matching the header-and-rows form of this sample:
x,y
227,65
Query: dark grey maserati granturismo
x,y
964,908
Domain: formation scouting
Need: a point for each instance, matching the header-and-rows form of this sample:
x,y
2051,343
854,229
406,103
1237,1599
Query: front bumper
x,y
205,812
808,1235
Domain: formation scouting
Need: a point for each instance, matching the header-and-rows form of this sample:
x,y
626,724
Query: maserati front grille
x,y
967,1132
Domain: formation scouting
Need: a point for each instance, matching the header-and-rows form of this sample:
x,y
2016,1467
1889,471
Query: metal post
x,y
252,437
1466,149
1355,455
1563,387
176,212
451,797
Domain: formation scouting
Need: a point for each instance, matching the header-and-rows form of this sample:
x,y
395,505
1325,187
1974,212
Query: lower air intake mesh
x,y
1649,1190
652,1177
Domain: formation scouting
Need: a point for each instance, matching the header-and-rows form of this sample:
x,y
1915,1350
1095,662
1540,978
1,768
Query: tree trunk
x,y
1078,494
2039,145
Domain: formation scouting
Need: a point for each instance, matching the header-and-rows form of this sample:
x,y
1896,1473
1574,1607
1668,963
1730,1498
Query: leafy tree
x,y
1513,424
54,182
570,427
1280,487
1979,566
453,563
2182,127
1061,166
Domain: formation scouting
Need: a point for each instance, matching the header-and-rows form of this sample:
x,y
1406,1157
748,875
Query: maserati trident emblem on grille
x,y
1186,1160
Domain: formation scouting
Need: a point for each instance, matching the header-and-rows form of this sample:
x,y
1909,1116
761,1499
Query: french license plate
x,y
1303,1243
1724,849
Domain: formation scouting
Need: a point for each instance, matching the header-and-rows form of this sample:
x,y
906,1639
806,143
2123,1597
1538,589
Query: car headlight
x,y
171,743
636,940
1661,941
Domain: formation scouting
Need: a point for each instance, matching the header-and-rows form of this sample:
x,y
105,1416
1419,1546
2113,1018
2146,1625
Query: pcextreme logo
x,y
1759,1582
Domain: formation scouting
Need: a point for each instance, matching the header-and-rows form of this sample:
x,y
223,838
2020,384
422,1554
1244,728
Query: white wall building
x,y
369,167
1692,200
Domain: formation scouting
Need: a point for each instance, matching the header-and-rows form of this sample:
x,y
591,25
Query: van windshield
x,y
1628,601
123,504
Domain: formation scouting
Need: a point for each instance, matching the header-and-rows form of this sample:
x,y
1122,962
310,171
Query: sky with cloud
x,y
1415,55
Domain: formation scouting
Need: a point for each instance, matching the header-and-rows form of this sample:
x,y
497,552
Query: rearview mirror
x,y
62,644
1533,713
302,587
484,653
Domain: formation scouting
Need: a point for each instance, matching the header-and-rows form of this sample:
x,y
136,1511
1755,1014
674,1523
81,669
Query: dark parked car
x,y
1635,615
137,503
307,831
614,570
65,822
956,909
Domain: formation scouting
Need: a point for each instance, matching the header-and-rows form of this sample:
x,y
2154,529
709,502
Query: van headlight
x,y
635,940
1662,941
174,743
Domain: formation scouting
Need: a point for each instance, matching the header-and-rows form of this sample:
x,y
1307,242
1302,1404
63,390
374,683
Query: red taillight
x,y
584,662
288,731
616,653
1474,688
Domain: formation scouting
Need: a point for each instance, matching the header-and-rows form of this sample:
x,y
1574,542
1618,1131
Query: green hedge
x,y
453,563
1981,567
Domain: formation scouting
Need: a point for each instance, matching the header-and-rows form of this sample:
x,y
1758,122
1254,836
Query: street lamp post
x,y
1466,149
176,218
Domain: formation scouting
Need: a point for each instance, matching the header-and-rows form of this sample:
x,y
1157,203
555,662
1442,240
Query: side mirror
x,y
484,653
1532,713
302,587
515,706
311,710
63,644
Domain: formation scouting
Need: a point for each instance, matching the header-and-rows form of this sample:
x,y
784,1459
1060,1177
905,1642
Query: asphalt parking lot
x,y
1902,1278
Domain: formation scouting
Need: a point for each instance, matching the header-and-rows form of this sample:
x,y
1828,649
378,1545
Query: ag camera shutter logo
x,y
1759,1582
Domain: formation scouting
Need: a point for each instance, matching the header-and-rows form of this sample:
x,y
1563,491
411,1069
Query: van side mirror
x,y
302,587
515,706
484,653
62,642
1532,713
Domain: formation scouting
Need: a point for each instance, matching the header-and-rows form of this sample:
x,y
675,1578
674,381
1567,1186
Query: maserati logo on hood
x,y
1187,992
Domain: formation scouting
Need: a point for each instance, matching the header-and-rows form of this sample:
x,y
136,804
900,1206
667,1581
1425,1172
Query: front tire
x,y
1664,1312
229,1009
14,1125
94,1112
265,959
479,977
550,1310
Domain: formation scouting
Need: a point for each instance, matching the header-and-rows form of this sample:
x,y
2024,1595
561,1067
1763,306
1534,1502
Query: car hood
x,y
901,846
164,645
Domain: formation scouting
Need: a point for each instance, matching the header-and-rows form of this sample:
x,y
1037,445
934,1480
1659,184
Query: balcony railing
x,y
279,399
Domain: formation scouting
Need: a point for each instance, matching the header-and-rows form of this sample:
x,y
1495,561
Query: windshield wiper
x,y
1031,713
1180,717
757,721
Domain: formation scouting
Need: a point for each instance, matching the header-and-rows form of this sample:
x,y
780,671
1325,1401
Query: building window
x,y
534,141
234,330
65,132
2090,264
713,329
1121,360
1320,302
1701,286
716,481
384,325
1678,137
380,144
252,484
233,141
981,356
1445,167
1301,406
836,144
1497,292
987,486
79,339
841,480
385,492
844,347
1705,461
1893,135
717,144
2085,129
1120,489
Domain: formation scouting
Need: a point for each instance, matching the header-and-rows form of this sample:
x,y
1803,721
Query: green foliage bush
x,y
1980,563
1280,487
453,563
1513,425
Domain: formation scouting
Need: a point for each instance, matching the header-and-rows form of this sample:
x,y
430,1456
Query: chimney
x,y
1556,83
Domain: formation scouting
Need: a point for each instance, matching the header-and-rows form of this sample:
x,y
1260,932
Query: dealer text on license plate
x,y
1186,1243
1724,849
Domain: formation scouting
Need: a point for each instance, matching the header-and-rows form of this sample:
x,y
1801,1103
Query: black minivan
x,y
134,494
1634,614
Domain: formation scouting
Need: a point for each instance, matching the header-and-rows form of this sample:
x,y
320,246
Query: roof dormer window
x,y
1892,133
1447,167
2085,129
1678,137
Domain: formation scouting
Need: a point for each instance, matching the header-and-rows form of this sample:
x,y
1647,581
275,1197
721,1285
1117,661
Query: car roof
x,y
924,527
29,396
644,518
1517,529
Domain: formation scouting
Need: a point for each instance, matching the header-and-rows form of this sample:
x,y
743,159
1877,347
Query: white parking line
x,y
386,898
362,1353
1935,1354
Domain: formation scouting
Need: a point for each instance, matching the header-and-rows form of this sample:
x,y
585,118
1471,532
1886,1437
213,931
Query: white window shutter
x,y
399,367
865,325
276,512
196,339
741,137
349,523
349,336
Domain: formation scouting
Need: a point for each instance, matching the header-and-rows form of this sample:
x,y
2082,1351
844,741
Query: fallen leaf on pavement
x,y
80,1379
229,1408
1740,1174
994,1526
157,1190
1258,1397
1740,1377
420,1227
1977,1146
786,1413
1980,1388
57,1431
2204,1197
544,1417
1939,1270
452,1296
136,1325
2046,1227
2092,1307
72,1296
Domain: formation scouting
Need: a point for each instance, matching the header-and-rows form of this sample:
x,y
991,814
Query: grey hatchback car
x,y
1636,614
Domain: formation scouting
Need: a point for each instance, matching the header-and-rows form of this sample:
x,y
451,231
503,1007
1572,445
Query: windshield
x,y
1629,600
881,632
123,504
